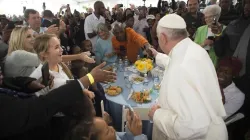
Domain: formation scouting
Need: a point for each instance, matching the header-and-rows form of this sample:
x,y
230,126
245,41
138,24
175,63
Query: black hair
x,y
97,3
124,14
28,12
197,0
129,16
83,44
81,117
48,13
10,25
153,11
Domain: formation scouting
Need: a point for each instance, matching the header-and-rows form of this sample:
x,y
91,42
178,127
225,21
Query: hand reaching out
x,y
100,75
85,57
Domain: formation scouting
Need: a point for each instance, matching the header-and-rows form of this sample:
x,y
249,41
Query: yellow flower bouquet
x,y
144,65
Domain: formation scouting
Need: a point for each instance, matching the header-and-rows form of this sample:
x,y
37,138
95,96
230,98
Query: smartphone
x,y
68,81
119,5
45,74
56,22
214,21
131,111
211,38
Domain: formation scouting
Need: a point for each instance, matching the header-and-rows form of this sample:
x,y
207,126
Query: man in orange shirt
x,y
127,42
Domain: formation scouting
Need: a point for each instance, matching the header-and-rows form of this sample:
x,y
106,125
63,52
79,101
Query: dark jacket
x,y
3,53
46,23
19,84
227,43
226,18
193,23
28,119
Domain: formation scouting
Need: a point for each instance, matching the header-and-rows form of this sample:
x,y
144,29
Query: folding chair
x,y
234,118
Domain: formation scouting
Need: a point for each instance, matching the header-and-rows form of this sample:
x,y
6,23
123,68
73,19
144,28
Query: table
x,y
115,103
122,98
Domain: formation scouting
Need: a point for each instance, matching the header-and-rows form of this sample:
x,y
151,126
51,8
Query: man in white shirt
x,y
33,19
190,103
91,22
227,69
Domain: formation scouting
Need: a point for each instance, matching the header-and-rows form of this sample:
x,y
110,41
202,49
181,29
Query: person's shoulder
x,y
203,27
235,22
129,30
187,15
20,52
88,18
234,89
102,18
200,14
195,53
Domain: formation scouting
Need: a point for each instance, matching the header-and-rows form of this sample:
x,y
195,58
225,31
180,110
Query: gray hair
x,y
102,27
172,34
213,10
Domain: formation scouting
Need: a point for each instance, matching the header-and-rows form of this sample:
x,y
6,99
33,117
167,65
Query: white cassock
x,y
190,98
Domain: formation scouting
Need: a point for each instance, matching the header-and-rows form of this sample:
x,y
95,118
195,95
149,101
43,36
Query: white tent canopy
x,y
11,7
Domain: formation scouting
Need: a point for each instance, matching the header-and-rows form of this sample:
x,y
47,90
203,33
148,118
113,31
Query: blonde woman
x,y
22,60
48,49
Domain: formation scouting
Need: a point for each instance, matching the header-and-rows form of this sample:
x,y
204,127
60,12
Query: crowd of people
x,y
77,46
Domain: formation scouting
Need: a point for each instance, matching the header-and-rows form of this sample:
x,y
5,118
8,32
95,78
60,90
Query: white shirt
x,y
42,30
190,98
234,99
90,26
139,26
60,77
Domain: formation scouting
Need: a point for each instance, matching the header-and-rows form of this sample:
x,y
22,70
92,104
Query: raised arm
x,y
35,112
25,58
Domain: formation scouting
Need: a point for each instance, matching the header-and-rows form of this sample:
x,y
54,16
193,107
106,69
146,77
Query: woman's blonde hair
x,y
17,38
41,45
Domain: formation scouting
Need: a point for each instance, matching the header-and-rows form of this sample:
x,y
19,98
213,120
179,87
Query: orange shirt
x,y
134,42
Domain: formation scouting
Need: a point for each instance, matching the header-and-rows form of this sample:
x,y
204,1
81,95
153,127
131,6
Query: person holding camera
x,y
206,34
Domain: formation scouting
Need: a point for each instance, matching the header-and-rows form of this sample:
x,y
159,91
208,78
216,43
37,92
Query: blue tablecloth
x,y
122,98
115,103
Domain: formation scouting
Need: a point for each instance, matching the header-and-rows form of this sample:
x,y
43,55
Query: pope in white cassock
x,y
190,104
